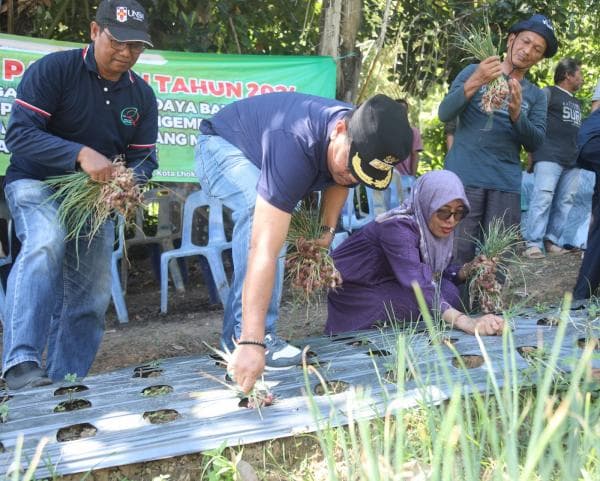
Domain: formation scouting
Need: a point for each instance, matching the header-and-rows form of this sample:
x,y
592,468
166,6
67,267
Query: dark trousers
x,y
486,205
589,272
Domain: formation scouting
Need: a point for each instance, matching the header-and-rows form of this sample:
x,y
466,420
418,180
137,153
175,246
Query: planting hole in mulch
x,y
72,405
548,321
359,343
342,339
162,416
331,387
76,431
391,376
70,389
5,397
378,352
147,370
220,362
471,361
589,340
157,390
528,352
448,341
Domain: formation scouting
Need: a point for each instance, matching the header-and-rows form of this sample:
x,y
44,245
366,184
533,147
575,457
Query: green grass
x,y
545,431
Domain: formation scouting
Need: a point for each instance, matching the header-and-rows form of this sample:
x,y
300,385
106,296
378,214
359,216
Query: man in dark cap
x,y
261,156
76,109
485,151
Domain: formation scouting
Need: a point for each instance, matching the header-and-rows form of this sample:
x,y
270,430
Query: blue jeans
x,y
224,172
554,189
55,299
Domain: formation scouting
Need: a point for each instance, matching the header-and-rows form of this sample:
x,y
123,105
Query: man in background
x,y
556,177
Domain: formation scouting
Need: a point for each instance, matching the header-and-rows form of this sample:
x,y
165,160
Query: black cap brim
x,y
365,174
124,34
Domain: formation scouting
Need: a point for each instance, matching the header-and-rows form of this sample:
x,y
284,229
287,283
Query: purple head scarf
x,y
432,191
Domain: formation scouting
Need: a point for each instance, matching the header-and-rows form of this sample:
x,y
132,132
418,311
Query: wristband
x,y
326,228
252,343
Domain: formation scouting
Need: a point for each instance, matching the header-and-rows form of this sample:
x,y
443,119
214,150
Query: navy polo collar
x,y
89,61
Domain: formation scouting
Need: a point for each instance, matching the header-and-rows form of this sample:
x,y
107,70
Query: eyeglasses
x,y
445,214
134,47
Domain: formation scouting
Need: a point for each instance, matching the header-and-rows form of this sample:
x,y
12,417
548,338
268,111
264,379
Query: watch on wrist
x,y
326,228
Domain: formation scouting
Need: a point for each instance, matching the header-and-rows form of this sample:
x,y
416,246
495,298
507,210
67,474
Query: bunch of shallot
x,y
480,45
309,266
85,204
496,252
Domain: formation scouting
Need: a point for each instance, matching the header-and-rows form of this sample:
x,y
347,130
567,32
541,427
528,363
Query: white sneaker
x,y
280,354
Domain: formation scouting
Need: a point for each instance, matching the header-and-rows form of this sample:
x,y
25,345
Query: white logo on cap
x,y
123,13
548,24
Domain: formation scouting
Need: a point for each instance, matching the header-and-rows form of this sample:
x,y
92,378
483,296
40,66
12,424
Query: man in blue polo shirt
x,y
74,110
261,156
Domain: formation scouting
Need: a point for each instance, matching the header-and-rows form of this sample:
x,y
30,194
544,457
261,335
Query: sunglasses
x,y
134,47
445,214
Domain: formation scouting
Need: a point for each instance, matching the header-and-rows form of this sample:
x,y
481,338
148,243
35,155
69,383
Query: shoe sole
x,y
281,368
32,383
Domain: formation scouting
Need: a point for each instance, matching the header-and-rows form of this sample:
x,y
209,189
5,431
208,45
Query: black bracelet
x,y
252,343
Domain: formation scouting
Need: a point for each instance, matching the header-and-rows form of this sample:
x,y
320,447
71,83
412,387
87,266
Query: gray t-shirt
x,y
562,125
489,158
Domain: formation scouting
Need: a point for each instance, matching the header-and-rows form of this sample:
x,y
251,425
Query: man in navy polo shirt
x,y
74,110
262,155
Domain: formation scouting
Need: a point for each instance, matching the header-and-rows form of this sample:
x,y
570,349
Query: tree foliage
x,y
225,26
415,55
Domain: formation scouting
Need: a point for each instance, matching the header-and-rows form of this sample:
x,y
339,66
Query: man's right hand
x,y
247,365
96,165
486,71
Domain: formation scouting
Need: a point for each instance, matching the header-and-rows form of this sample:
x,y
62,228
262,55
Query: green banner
x,y
188,87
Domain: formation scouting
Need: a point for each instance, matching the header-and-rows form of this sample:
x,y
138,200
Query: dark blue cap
x,y
541,25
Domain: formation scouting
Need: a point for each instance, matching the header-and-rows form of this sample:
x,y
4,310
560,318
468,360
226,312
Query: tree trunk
x,y
351,59
341,22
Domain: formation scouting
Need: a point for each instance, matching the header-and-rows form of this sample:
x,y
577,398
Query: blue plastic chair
x,y
166,205
353,217
212,251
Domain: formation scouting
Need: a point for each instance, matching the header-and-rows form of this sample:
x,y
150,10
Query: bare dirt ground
x,y
192,321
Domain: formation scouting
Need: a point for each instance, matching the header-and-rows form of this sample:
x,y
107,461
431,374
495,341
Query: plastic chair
x,y
353,217
166,206
116,289
212,251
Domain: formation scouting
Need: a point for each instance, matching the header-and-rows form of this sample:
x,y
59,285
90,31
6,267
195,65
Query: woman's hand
x,y
486,325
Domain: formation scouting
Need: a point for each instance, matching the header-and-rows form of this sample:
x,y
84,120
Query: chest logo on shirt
x,y
130,116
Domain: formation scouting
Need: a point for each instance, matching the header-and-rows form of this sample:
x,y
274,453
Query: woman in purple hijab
x,y
412,243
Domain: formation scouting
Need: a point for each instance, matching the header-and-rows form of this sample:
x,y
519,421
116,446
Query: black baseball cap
x,y
126,20
380,137
541,25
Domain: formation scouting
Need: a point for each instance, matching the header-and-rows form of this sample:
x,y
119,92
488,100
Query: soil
x,y
192,321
